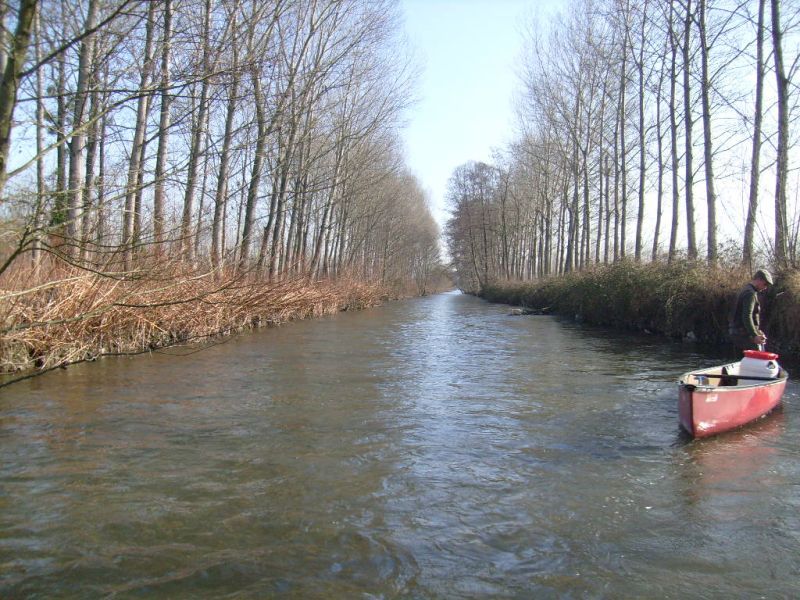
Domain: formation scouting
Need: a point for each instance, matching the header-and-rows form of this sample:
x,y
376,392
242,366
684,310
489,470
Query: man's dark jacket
x,y
745,318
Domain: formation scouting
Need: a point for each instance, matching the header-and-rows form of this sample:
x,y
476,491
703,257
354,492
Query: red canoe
x,y
720,399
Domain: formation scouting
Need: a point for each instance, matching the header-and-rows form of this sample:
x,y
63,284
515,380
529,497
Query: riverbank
x,y
63,315
689,301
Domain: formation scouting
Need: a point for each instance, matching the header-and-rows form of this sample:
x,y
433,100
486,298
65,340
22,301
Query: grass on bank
x,y
56,316
678,300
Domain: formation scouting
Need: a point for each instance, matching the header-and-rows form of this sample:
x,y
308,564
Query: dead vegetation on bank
x,y
59,315
680,300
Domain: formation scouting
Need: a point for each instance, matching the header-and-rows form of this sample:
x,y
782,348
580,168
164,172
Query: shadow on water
x,y
429,448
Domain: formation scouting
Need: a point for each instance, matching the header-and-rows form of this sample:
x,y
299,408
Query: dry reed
x,y
60,315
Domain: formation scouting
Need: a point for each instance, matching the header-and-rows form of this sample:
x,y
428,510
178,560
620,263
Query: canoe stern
x,y
685,413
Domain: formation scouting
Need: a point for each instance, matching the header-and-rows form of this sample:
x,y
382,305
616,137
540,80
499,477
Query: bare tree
x,y
705,94
197,136
14,61
673,130
782,83
78,141
163,128
688,119
755,161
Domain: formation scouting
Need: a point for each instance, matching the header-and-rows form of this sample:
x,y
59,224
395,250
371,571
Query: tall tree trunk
x,y
599,238
326,212
755,160
4,37
91,152
586,235
572,260
305,225
134,161
562,230
9,85
642,162
782,82
617,255
572,209
280,207
687,115
547,264
504,248
289,251
59,216
163,131
140,172
224,160
100,236
660,161
198,135
673,134
255,177
297,258
606,246
273,203
623,157
705,94
77,166
41,185
201,210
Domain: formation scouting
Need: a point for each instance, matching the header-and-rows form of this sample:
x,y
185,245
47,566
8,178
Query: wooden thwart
x,y
751,377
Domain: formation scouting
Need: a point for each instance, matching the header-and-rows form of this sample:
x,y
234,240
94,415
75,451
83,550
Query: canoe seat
x,y
727,381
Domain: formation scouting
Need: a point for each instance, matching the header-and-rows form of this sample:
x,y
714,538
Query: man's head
x,y
762,279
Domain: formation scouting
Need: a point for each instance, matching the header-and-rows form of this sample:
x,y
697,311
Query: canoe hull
x,y
705,411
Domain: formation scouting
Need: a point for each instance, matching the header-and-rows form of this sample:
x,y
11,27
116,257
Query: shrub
x,y
670,299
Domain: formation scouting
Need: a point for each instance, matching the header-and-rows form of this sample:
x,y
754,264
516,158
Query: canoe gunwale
x,y
782,377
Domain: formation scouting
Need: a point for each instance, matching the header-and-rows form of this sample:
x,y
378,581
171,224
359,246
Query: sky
x,y
469,51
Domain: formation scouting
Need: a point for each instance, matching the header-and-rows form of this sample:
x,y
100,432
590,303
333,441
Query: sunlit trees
x,y
218,158
633,110
226,134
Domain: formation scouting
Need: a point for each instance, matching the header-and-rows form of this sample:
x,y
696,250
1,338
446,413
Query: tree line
x,y
253,137
642,126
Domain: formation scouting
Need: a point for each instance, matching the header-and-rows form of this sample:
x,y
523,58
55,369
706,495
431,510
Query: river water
x,y
433,448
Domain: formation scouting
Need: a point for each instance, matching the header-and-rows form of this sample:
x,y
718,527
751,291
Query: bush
x,y
670,299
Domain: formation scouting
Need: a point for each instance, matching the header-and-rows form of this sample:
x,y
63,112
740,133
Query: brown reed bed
x,y
682,300
59,315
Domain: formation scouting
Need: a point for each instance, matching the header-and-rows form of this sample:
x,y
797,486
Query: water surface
x,y
434,448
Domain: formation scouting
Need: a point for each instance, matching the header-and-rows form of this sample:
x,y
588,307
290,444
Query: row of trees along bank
x,y
643,126
159,153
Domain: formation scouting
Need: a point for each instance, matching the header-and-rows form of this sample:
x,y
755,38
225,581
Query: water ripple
x,y
424,449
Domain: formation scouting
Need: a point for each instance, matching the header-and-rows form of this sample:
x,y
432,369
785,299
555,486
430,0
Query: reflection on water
x,y
429,448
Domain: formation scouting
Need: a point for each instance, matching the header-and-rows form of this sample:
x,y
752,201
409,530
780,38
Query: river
x,y
430,448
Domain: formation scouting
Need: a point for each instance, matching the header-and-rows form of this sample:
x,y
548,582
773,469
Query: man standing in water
x,y
745,318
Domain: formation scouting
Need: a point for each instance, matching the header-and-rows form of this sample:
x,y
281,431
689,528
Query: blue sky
x,y
469,51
